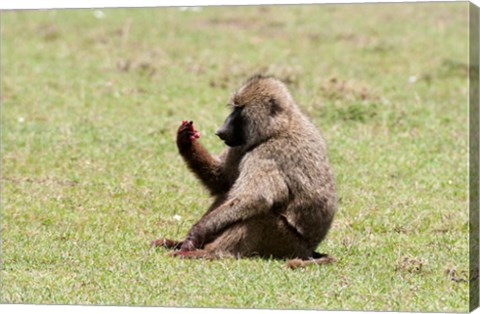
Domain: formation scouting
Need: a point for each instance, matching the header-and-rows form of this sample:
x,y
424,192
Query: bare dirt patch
x,y
408,264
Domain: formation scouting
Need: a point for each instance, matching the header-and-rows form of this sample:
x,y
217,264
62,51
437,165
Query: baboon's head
x,y
261,109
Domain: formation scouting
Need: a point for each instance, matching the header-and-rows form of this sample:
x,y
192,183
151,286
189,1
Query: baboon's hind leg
x,y
265,236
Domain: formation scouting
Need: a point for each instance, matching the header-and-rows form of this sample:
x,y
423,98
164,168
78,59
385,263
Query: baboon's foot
x,y
318,259
166,243
194,254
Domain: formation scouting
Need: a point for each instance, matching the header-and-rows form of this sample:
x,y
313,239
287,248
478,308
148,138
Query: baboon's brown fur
x,y
274,194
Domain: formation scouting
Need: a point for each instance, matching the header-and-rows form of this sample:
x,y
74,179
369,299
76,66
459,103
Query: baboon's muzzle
x,y
231,132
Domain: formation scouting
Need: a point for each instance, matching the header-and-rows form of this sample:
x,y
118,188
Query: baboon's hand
x,y
166,243
188,245
194,240
186,134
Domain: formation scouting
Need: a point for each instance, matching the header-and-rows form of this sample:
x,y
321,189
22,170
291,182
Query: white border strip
x,y
72,4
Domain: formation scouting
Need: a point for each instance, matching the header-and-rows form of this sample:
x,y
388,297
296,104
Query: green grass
x,y
90,172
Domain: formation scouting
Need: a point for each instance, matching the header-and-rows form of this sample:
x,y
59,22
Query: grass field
x,y
91,100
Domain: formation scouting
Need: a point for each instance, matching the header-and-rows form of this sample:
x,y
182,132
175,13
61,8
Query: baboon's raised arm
x,y
209,169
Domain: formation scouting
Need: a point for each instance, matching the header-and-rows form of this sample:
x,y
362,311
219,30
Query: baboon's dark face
x,y
231,132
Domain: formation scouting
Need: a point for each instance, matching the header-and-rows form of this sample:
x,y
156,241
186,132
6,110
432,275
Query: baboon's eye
x,y
274,107
237,109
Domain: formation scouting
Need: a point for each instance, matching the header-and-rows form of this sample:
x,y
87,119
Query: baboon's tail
x,y
316,259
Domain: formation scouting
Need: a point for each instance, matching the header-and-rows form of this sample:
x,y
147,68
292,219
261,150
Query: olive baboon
x,y
273,186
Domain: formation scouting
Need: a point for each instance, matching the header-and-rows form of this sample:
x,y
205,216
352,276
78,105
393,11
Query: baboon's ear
x,y
274,107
